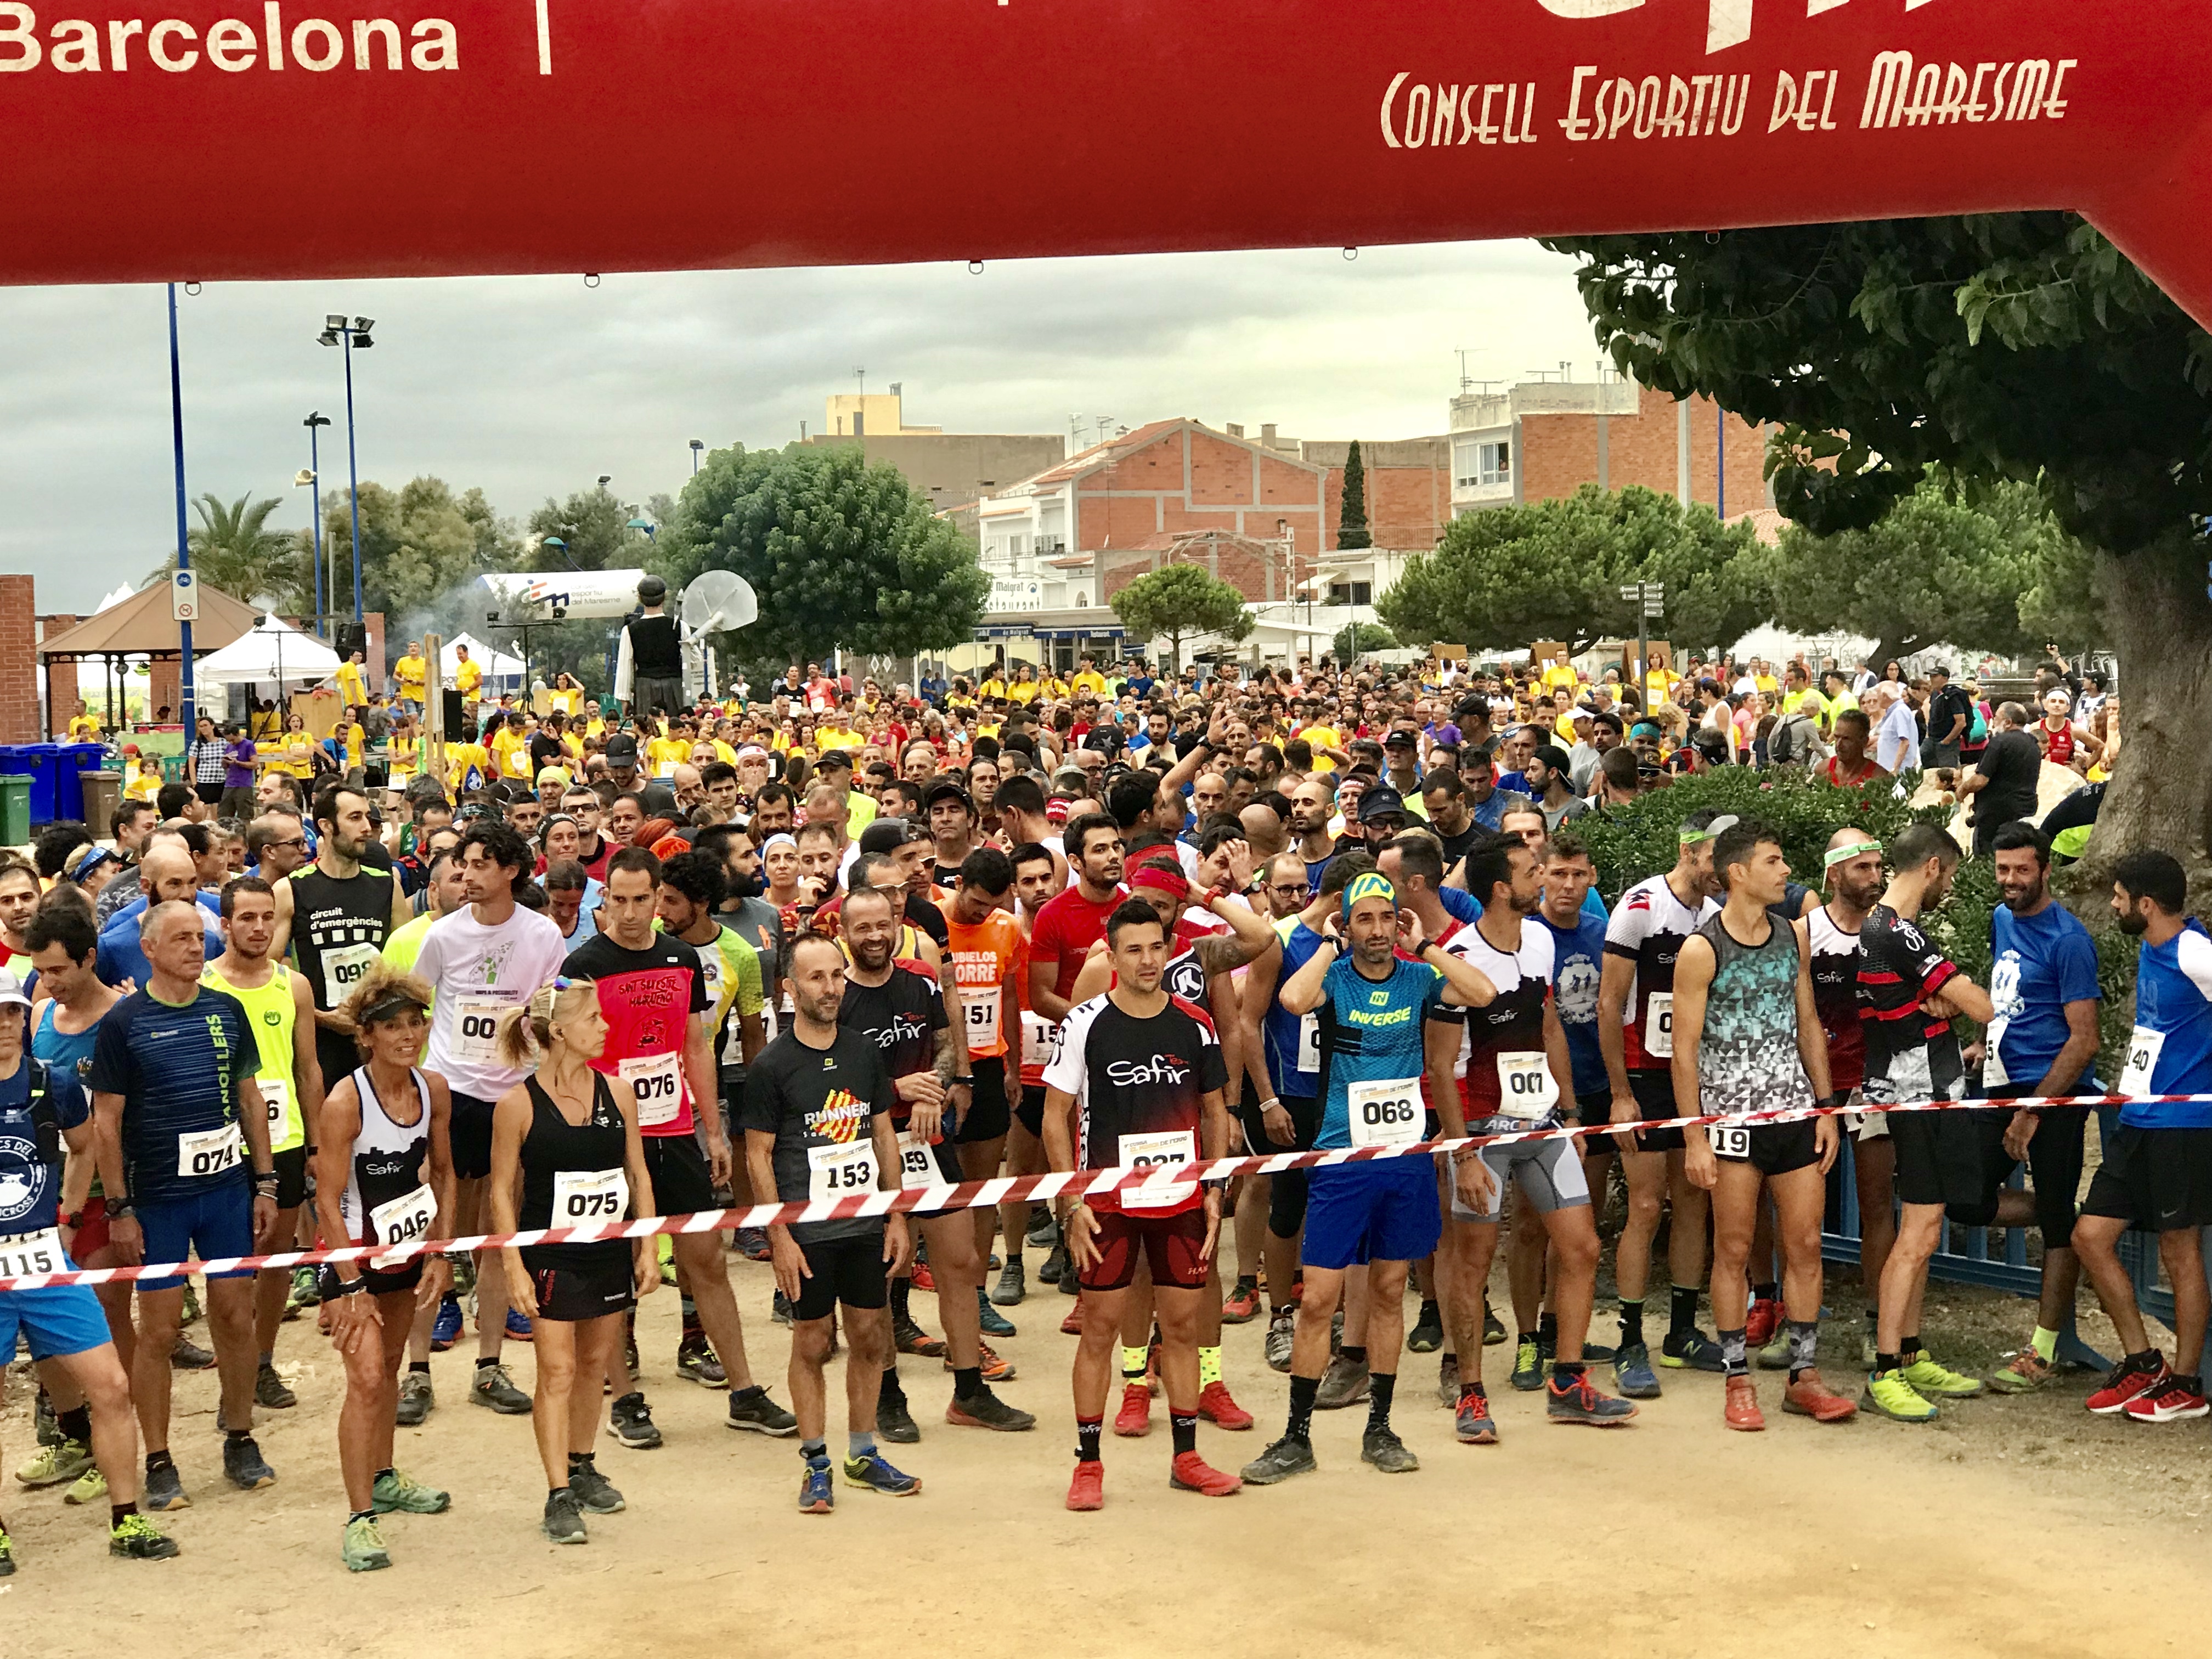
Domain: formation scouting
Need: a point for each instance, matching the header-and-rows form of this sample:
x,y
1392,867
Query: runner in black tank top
x,y
572,1144
384,1175
336,916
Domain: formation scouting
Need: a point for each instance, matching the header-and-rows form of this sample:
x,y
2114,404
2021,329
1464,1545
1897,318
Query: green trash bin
x,y
14,809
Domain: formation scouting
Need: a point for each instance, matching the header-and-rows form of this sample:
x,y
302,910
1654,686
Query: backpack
x,y
1978,726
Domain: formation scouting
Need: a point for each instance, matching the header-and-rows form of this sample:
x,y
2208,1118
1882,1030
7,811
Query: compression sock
x,y
1186,1431
860,1443
967,1382
1133,1363
1357,1355
421,1365
76,1424
1682,1318
2046,1350
890,1391
902,1290
810,1450
1766,1292
1631,1321
693,1330
160,1460
1733,1361
1380,1388
1209,1367
1804,1338
1087,1431
1300,1426
1908,1350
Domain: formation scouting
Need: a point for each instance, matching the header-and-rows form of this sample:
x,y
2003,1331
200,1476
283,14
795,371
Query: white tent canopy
x,y
272,652
498,667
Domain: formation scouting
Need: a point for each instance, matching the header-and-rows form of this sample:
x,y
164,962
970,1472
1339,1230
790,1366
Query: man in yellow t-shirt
x,y
413,675
1087,678
1318,735
1054,687
664,754
82,727
1559,675
468,766
468,675
352,683
508,743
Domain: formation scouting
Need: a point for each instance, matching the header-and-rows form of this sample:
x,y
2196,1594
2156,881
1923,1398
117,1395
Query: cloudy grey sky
x,y
533,386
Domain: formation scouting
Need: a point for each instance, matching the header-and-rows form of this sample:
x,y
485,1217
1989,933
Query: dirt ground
x,y
2023,1528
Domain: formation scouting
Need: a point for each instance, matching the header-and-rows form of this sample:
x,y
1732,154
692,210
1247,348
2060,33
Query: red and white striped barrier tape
x,y
978,1194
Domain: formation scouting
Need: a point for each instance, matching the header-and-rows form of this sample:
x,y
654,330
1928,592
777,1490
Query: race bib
x,y
666,769
211,1151
1659,1025
476,1029
1730,1140
402,1221
917,1162
1526,1088
2144,1050
1165,1148
581,1196
658,1084
980,1007
1994,1075
1040,1041
1385,1114
278,1092
32,1253
710,970
343,966
1309,1042
840,1171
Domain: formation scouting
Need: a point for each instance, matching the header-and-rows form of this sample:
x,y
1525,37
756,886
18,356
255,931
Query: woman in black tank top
x,y
574,1143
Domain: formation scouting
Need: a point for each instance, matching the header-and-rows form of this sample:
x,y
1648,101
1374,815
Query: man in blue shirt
x,y
2157,1172
1375,1010
1577,965
2043,1041
43,1120
166,872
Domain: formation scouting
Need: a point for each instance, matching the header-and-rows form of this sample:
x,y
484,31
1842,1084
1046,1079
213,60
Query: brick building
x,y
1546,438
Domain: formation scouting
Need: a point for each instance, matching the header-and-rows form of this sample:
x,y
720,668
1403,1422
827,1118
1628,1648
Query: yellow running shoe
x,y
1889,1394
64,1459
1929,1377
91,1488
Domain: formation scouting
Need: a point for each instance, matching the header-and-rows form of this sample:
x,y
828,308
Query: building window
x,y
1352,593
1476,463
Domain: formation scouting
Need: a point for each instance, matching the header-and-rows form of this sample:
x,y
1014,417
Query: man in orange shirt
x,y
989,961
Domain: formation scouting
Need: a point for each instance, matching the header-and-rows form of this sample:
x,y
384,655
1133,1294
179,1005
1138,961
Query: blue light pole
x,y
316,419
338,330
183,541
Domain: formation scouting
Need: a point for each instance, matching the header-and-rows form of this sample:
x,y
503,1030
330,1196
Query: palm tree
x,y
233,549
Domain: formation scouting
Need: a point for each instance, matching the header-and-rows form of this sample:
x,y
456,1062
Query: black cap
x,y
652,590
621,747
945,789
888,835
1401,740
1382,799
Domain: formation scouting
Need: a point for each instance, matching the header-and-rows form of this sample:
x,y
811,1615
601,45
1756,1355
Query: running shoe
x,y
65,1459
751,1408
1242,1305
1761,1321
2023,1373
1809,1396
910,1337
1428,1332
562,1523
1056,1263
1448,1382
1344,1384
1071,1281
492,1386
1285,1458
1471,1419
1775,1356
1740,1406
1493,1329
923,1279
1073,1325
134,1538
164,1490
1086,1488
1527,1366
985,1410
1889,1394
752,1244
396,1489
445,1329
993,1323
518,1327
7,1556
630,1421
1382,1447
362,1547
2171,1401
1282,1332
1869,1350
1579,1402
465,1271
593,1492
243,1462
873,1473
778,1308
268,1390
895,1422
1043,1231
1632,1374
1691,1351
416,1397
1012,1285
189,1356
190,1313
1217,1407
1928,1377
91,1488
306,1291
695,1363
1191,1472
1134,1420
995,1368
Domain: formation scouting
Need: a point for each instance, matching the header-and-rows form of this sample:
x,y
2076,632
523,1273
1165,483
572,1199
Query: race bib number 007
x,y
1659,1025
1526,1088
1386,1114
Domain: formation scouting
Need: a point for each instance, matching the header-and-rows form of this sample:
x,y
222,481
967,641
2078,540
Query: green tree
x,y
1935,569
1351,517
422,548
2005,346
1356,640
234,548
1181,599
840,554
1506,577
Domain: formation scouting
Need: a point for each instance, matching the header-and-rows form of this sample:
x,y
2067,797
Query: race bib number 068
x,y
1385,1114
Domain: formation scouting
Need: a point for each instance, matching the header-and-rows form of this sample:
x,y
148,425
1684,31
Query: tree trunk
x,y
2162,790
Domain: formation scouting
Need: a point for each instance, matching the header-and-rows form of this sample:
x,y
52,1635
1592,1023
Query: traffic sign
x,y
184,596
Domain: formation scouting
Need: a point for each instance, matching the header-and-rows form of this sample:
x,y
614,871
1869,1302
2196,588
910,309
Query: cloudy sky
x,y
533,386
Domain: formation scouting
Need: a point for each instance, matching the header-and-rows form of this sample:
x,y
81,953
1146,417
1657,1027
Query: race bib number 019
x,y
1730,1140
1526,1088
586,1195
840,1171
1386,1114
209,1153
32,1253
657,1083
1163,1149
1659,1025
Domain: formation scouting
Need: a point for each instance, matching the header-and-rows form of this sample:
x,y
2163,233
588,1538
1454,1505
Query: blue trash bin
x,y
41,763
69,791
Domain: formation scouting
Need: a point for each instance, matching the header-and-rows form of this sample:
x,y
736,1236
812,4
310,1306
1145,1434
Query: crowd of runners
x,y
1049,925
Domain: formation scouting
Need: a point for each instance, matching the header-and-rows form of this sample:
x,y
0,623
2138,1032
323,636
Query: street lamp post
x,y
184,688
696,445
316,419
338,330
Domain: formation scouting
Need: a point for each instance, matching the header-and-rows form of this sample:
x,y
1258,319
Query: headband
x,y
1368,884
778,839
1164,874
1836,855
390,1003
1711,831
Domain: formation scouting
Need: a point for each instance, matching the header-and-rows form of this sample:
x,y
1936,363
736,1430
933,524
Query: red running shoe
x,y
1135,1416
1087,1491
1809,1396
1191,1472
1739,1409
1761,1323
1242,1305
1073,1325
1218,1408
2136,1374
2171,1401
923,1279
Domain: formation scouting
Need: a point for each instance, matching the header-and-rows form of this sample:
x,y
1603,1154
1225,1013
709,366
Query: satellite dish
x,y
718,600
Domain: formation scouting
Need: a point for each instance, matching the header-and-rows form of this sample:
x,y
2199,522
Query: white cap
x,y
11,990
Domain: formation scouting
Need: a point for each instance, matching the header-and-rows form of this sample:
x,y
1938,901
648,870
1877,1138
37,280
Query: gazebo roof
x,y
142,626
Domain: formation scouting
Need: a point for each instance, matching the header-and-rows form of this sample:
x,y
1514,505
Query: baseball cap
x,y
1378,799
11,990
946,789
888,835
559,775
85,860
621,747
1399,740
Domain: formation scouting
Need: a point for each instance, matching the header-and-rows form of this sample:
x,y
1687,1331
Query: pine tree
x,y
1352,520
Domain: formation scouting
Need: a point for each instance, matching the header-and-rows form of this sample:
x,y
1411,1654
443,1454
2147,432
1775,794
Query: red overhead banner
x,y
214,139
